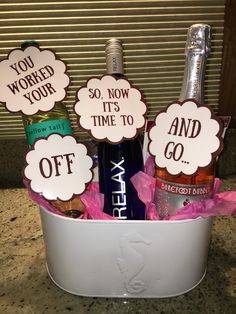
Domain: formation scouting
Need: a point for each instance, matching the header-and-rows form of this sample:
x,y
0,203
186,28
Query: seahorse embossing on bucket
x,y
132,262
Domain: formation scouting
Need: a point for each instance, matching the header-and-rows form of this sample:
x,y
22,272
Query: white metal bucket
x,y
138,259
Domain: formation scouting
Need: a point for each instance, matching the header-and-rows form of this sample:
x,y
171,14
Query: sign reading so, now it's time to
x,y
110,109
32,80
185,137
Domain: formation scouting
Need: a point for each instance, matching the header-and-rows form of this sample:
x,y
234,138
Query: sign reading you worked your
x,y
58,167
32,80
185,137
110,109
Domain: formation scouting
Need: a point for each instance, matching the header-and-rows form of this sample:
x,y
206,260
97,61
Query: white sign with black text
x,y
186,136
58,167
110,109
32,80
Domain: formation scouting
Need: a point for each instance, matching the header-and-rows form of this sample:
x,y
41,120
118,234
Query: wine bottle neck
x,y
193,81
198,46
114,57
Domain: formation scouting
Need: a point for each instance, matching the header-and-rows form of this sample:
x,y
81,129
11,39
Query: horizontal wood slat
x,y
153,34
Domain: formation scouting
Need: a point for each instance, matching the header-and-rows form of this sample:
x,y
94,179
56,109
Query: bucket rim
x,y
100,221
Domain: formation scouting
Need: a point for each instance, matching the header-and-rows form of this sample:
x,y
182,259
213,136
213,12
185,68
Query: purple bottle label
x,y
118,193
117,165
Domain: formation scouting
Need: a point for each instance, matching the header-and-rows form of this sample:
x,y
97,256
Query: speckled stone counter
x,y
25,287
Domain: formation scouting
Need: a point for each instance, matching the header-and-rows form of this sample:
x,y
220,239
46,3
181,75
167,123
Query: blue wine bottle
x,y
117,163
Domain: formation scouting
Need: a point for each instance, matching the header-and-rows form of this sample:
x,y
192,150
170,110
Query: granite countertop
x,y
26,288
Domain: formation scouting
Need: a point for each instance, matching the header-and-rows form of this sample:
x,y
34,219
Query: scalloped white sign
x,y
58,167
186,136
32,80
110,108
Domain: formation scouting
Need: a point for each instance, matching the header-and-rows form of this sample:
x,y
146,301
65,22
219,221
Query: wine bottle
x,y
44,123
117,163
173,192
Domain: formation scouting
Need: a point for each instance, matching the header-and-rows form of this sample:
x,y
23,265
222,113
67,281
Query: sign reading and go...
x,y
185,137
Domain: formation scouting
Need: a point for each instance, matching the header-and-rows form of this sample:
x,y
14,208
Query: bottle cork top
x,y
198,39
29,42
114,45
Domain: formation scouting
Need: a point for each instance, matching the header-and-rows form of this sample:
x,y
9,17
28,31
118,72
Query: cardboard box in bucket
x,y
138,259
